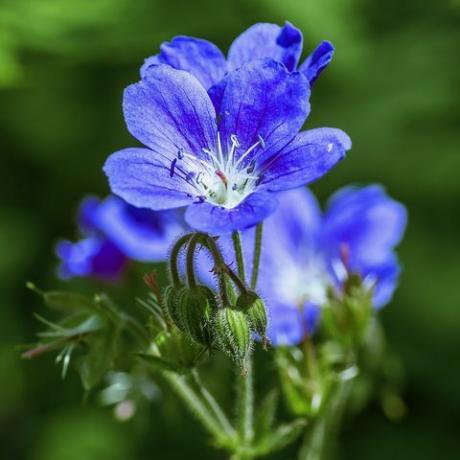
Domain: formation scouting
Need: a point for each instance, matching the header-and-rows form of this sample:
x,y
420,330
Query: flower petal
x,y
92,256
367,221
147,179
283,44
199,57
170,110
207,217
317,61
262,102
385,277
288,325
308,157
141,234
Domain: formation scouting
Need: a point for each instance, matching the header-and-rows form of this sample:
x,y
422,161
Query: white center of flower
x,y
223,178
306,283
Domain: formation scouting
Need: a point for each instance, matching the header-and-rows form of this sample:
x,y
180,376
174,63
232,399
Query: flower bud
x,y
171,298
233,333
196,308
253,306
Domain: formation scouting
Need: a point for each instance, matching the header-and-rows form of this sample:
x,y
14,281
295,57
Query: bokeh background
x,y
394,86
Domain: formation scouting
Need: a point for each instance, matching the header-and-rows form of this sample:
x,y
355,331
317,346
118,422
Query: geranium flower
x,y
222,155
116,232
208,64
303,254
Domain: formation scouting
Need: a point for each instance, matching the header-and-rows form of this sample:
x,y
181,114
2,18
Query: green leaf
x,y
103,349
279,438
69,302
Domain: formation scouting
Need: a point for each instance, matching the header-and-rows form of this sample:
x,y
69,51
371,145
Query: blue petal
x,y
384,278
267,41
199,57
146,179
92,256
289,325
292,230
87,213
207,217
290,242
367,221
368,225
170,110
285,326
263,103
308,157
317,61
140,234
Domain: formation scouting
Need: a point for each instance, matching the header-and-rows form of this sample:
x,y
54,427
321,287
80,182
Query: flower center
x,y
306,283
223,178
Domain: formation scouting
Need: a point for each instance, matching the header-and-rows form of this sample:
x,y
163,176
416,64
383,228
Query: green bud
x,y
233,333
171,298
196,308
251,304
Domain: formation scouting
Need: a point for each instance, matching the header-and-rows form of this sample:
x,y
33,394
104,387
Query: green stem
x,y
214,406
256,256
173,270
246,404
196,405
321,435
190,260
239,254
220,267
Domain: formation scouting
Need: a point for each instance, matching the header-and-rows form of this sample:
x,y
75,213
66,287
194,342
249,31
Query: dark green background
x,y
394,86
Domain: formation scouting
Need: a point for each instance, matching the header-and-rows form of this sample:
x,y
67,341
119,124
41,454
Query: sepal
x,y
233,334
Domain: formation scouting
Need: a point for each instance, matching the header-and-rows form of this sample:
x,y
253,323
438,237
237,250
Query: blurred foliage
x,y
394,86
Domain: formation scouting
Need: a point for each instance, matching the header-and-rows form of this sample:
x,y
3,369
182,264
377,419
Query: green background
x,y
394,86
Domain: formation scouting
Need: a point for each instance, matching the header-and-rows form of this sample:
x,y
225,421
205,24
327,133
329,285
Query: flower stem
x,y
190,260
239,254
320,435
246,404
196,405
173,270
214,406
256,256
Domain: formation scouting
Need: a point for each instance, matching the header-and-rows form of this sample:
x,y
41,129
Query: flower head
x,y
208,64
115,232
305,253
222,154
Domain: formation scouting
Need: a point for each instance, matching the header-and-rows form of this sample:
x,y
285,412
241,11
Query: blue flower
x,y
208,64
304,252
116,232
222,155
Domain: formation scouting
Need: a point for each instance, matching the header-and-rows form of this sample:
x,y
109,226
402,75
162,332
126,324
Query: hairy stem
x,y
256,256
190,260
239,254
173,270
246,404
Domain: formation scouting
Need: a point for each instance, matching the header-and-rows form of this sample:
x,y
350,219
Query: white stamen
x,y
220,177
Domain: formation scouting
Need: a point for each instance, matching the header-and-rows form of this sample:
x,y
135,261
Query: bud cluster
x,y
225,321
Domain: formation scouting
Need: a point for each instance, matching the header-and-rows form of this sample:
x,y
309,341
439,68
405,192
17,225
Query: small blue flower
x,y
303,254
222,155
208,64
116,232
